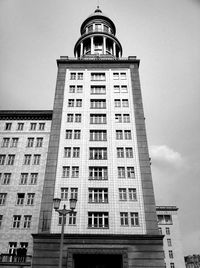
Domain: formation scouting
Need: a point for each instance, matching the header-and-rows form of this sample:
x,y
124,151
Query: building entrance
x,y
97,261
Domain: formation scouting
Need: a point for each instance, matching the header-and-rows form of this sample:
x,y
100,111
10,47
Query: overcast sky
x,y
165,35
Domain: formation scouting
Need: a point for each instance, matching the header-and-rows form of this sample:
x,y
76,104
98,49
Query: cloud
x,y
163,155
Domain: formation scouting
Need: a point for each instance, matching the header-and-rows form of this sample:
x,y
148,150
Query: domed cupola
x,y
98,38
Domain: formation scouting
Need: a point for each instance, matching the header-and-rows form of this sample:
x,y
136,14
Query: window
x,y
132,194
65,172
171,256
30,142
134,219
20,198
129,152
130,172
70,117
98,76
105,28
67,152
127,134
8,126
117,103
122,194
2,199
124,218
41,126
126,118
98,135
68,134
71,103
98,195
98,27
123,76
33,178
33,126
76,152
119,134
118,118
160,230
164,219
80,76
72,218
11,159
5,142
169,242
74,193
98,90
77,134
98,173
61,218
97,118
79,89
98,153
116,89
36,159
172,265
1,220
125,103
6,178
64,193
72,89
116,76
75,172
98,104
121,172
14,142
27,221
23,178
124,89
20,126
73,76
30,199
167,229
78,118
98,220
120,152
16,221
39,142
78,103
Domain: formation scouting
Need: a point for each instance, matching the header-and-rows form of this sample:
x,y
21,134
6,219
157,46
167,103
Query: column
x,y
81,52
104,45
92,44
114,49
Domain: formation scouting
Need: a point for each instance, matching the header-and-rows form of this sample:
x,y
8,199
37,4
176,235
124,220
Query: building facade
x,y
169,227
192,261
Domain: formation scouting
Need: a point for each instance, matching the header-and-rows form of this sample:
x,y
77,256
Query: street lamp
x,y
63,212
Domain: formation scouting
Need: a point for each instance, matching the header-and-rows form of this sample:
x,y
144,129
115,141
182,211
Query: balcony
x,y
10,260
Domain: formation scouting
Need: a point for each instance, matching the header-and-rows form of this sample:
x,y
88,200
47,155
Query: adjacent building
x,y
192,261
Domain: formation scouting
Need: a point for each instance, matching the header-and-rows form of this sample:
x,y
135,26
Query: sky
x,y
164,35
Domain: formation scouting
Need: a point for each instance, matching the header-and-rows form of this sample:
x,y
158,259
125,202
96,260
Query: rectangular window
x,y
78,103
20,199
124,89
124,218
98,220
118,118
169,242
77,134
134,219
16,221
30,142
132,194
14,142
98,135
129,152
67,152
98,195
127,134
167,230
6,178
36,159
160,230
117,102
97,118
120,152
39,142
119,134
33,126
1,220
75,172
41,126
64,193
123,76
5,142
72,89
30,199
98,76
23,178
68,134
8,126
2,159
73,76
70,118
122,194
3,199
77,118
98,90
116,89
71,103
79,89
171,255
98,104
116,76
80,76
76,152
61,218
164,219
33,178
126,118
27,221
72,218
121,172
11,159
74,193
65,172
20,126
125,103
98,153
172,265
130,172
98,173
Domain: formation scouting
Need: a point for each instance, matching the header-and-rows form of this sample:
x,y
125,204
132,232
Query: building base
x,y
98,251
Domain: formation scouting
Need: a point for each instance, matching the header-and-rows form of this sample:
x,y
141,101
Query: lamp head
x,y
56,203
72,203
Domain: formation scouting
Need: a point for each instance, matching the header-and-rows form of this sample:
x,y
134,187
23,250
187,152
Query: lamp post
x,y
63,212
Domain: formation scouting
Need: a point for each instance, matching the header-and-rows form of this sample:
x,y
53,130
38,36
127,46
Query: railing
x,y
13,259
99,57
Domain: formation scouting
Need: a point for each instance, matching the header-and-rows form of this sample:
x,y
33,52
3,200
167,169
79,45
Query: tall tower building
x,y
98,153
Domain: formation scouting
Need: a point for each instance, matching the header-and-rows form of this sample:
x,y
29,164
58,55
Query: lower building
x,y
192,261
